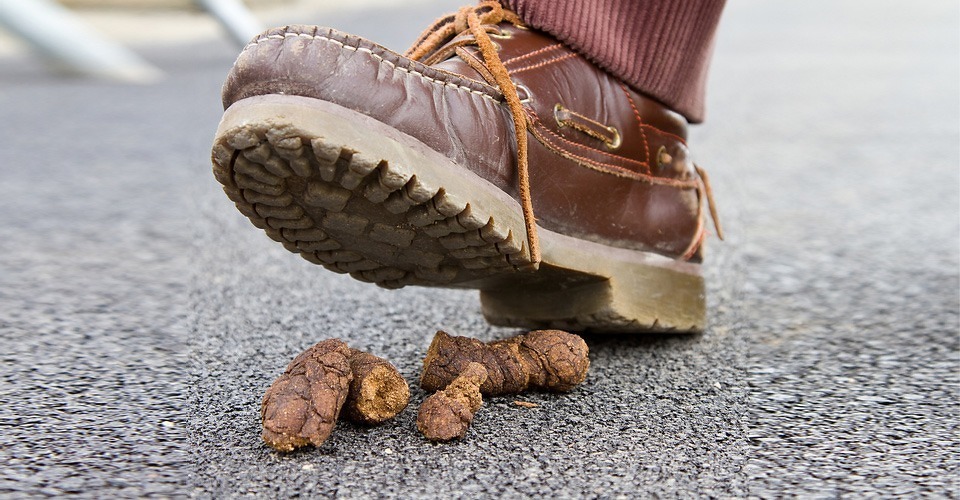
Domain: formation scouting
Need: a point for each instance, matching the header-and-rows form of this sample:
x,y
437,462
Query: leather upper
x,y
606,164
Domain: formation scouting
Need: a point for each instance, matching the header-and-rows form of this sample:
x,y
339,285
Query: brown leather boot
x,y
409,170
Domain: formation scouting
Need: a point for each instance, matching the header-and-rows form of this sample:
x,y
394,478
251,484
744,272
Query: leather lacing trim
x,y
477,20
607,134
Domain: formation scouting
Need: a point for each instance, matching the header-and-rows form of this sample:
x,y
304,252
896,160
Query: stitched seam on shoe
x,y
532,54
537,119
375,56
615,170
668,134
629,173
643,135
606,168
542,64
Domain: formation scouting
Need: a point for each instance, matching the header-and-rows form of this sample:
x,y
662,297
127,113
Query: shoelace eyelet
x,y
663,158
617,139
557,109
527,96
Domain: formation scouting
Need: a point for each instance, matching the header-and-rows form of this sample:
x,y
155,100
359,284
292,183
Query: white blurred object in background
x,y
58,34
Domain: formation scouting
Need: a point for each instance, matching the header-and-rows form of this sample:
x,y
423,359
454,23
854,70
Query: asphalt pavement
x,y
142,316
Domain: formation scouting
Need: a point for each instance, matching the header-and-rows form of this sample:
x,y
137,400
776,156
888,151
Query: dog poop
x,y
550,360
302,406
447,414
377,391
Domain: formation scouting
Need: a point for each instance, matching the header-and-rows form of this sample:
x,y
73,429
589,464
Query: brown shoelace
x,y
473,19
705,180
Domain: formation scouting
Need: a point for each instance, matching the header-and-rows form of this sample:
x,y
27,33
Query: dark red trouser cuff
x,y
661,48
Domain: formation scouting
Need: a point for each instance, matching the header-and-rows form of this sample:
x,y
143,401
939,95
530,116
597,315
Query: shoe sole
x,y
356,196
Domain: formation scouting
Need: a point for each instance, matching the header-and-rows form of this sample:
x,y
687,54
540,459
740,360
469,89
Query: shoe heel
x,y
613,290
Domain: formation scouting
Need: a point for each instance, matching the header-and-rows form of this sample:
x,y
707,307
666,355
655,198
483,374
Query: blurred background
x,y
142,316
93,37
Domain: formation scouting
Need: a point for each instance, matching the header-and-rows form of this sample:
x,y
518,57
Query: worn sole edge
x,y
294,166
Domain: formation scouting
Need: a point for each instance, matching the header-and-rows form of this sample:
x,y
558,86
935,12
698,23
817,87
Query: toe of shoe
x,y
452,114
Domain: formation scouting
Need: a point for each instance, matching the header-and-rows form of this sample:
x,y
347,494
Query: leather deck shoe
x,y
490,156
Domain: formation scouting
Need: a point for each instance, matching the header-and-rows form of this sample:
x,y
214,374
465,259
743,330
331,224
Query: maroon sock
x,y
661,48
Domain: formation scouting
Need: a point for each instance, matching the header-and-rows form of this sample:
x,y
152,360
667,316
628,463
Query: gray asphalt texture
x,y
142,317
